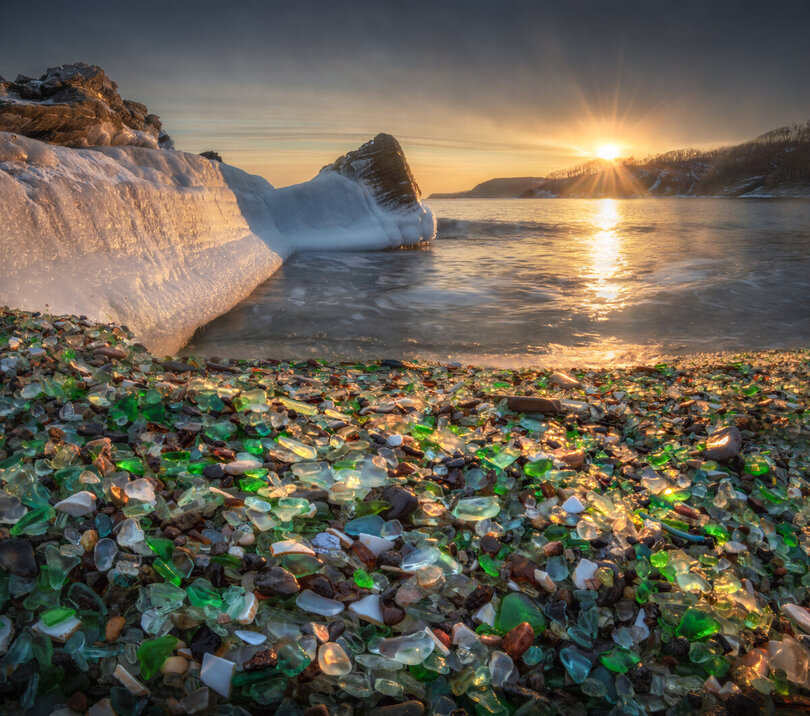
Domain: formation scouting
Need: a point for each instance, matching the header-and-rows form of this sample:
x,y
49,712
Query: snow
x,y
163,241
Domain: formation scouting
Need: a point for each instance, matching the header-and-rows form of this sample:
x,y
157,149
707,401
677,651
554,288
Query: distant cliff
x,y
774,164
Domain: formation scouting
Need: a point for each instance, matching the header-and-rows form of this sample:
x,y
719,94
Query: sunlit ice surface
x,y
544,282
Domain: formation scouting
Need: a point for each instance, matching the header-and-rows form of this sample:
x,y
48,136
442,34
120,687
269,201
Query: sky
x,y
472,89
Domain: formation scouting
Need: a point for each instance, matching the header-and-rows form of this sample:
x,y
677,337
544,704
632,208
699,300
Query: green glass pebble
x,y
164,548
538,468
202,594
486,563
57,615
152,654
363,579
516,608
697,624
619,660
168,571
133,465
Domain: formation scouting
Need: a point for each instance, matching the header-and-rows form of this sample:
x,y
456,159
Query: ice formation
x,y
165,241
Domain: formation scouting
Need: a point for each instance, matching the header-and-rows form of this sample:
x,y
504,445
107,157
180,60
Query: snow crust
x,y
165,241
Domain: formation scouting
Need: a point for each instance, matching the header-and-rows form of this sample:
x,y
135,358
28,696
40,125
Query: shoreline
x,y
264,532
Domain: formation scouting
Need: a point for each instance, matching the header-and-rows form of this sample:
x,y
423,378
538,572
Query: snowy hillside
x,y
164,241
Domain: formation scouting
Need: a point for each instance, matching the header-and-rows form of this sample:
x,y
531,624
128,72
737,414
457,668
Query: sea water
x,y
538,281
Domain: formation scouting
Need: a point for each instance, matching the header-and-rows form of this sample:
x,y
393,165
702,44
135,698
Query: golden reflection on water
x,y
603,292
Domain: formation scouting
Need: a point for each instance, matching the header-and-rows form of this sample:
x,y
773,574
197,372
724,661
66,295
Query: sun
x,y
608,151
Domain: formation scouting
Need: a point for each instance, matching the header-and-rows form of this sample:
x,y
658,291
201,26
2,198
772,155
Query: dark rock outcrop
x,y
77,106
212,155
380,164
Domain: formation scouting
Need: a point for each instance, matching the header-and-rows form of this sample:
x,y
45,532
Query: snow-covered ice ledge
x,y
165,241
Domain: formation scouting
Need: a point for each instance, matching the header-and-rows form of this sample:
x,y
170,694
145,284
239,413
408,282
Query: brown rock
x,y
380,164
266,659
723,444
480,596
574,459
113,628
553,549
363,553
522,568
490,544
518,640
407,708
77,106
77,702
529,404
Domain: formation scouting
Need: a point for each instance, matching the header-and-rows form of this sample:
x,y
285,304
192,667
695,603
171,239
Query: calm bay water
x,y
511,282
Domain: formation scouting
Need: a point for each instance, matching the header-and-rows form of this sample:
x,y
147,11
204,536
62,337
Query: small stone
x,y
6,634
266,659
375,545
573,505
290,546
17,556
204,641
799,615
88,540
563,380
254,638
174,665
480,596
332,660
574,459
308,601
248,613
113,628
407,708
723,444
78,504
77,702
583,573
369,608
517,640
60,632
129,682
217,673
240,467
527,404
553,549
276,580
402,500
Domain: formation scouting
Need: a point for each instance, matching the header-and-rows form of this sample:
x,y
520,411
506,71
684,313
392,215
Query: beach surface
x,y
405,536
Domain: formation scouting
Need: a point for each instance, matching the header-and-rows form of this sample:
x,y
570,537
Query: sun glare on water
x,y
608,152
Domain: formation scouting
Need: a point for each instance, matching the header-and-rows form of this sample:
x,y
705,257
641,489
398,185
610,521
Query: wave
x,y
463,229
